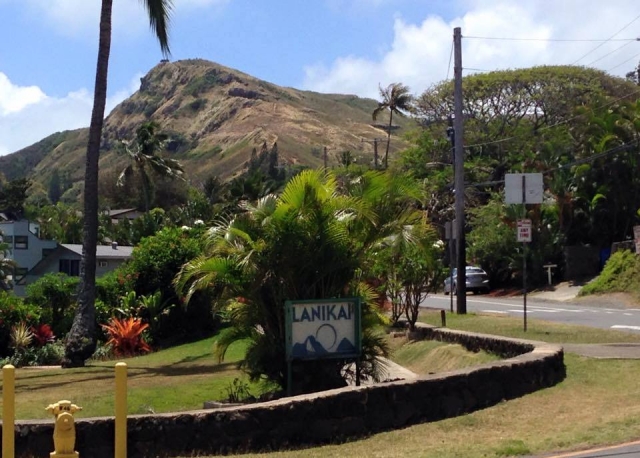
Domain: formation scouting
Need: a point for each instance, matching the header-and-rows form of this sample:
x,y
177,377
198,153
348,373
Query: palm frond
x,y
159,17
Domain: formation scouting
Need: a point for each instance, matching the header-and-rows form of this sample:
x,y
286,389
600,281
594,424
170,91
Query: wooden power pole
x,y
375,150
458,126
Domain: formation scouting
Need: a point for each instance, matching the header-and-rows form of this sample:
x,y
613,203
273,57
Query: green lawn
x,y
152,380
597,404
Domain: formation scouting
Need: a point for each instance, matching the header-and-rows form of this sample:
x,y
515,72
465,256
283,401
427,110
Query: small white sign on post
x,y
524,230
523,188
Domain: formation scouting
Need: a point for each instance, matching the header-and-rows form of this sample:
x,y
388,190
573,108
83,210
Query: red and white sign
x,y
524,230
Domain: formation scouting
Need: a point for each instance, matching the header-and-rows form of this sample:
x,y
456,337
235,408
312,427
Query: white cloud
x,y
420,52
32,118
14,98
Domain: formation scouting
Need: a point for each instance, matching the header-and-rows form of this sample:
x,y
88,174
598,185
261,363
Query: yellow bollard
x,y
8,411
64,432
121,411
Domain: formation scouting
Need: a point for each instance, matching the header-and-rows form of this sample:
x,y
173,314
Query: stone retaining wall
x,y
330,416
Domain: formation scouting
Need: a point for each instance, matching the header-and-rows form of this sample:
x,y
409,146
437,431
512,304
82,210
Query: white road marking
x,y
502,312
628,314
622,326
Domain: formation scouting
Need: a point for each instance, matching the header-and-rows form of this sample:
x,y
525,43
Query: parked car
x,y
477,281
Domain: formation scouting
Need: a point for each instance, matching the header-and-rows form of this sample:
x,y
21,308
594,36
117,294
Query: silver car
x,y
477,281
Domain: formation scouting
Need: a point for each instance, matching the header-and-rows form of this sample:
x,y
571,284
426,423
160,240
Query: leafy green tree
x,y
54,295
55,187
7,266
144,155
13,195
60,222
155,261
397,99
410,266
81,341
308,243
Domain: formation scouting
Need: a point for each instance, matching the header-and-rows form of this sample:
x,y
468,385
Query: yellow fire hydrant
x,y
64,432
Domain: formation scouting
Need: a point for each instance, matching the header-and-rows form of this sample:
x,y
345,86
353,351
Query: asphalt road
x,y
624,319
630,450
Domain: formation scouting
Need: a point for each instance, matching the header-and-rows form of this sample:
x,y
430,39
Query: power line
x,y
609,53
611,102
449,65
616,149
610,39
622,63
570,40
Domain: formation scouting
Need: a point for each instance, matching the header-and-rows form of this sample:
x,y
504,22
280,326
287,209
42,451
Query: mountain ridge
x,y
214,117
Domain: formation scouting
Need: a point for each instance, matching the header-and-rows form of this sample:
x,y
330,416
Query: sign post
x,y
323,329
524,236
523,188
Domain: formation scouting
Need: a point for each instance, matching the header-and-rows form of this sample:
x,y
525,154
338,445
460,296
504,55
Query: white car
x,y
477,281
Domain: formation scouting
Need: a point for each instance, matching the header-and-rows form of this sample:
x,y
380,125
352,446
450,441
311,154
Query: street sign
x,y
523,188
524,230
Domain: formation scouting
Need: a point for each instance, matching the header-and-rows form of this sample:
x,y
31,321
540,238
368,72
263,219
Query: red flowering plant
x,y
42,334
125,336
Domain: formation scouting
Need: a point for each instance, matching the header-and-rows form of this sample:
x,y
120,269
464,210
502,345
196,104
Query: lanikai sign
x,y
327,328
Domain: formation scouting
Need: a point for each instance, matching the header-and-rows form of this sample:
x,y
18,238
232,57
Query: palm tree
x,y
311,242
143,155
397,99
81,341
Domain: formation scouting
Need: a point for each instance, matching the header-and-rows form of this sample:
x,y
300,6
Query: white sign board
x,y
321,329
513,188
524,230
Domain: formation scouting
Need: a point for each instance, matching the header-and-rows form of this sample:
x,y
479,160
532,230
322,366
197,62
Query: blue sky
x,y
48,47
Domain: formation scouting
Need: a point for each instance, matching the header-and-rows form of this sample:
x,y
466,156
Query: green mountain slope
x,y
215,117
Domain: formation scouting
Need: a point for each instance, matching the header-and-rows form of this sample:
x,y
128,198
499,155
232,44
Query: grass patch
x,y
545,331
177,379
594,406
620,274
429,356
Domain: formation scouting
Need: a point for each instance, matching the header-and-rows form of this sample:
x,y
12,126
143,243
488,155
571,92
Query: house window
x,y
70,267
103,264
46,252
21,242
8,239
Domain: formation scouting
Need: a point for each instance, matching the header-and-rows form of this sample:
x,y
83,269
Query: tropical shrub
x,y
13,310
125,336
410,267
54,294
154,264
42,335
620,274
308,243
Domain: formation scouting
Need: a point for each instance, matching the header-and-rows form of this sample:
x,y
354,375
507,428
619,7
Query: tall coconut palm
x,y
81,341
143,155
397,99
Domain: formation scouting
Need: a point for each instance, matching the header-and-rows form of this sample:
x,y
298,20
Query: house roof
x,y
120,211
103,251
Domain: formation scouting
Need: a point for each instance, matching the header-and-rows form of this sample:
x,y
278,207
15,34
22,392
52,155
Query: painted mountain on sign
x,y
312,348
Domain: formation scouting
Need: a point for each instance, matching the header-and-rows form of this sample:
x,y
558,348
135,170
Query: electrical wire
x,y
609,53
556,39
622,63
450,57
493,142
616,149
606,41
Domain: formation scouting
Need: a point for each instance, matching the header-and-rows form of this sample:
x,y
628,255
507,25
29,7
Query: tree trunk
x,y
386,154
81,340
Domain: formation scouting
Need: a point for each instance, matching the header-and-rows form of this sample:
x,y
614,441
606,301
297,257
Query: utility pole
x,y
458,126
375,150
